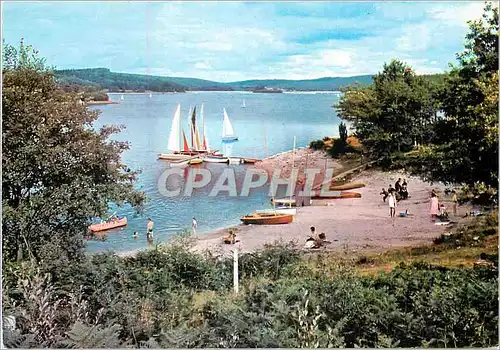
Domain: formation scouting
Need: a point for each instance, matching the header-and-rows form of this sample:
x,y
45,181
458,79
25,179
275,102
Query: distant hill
x,y
111,81
103,78
321,84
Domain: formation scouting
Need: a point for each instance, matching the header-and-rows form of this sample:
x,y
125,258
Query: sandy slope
x,y
355,224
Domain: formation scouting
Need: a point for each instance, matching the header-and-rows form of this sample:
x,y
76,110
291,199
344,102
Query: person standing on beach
x,y
392,204
455,202
149,228
194,226
434,209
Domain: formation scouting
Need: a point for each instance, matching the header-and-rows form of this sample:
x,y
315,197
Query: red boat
x,y
109,224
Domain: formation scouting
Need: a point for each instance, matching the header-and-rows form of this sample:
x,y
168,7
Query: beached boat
x,y
288,211
235,160
216,159
341,195
350,186
227,129
108,225
250,160
287,202
267,219
195,161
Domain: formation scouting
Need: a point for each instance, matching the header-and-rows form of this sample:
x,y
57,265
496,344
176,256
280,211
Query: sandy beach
x,y
356,225
359,224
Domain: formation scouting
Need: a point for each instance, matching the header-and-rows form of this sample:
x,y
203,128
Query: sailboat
x,y
174,140
150,95
122,98
244,105
227,129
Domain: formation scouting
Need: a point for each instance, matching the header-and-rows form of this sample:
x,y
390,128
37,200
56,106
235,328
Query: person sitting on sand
x,y
404,183
230,238
397,185
404,191
385,194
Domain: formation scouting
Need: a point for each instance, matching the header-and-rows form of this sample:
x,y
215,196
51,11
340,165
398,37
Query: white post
x,y
235,271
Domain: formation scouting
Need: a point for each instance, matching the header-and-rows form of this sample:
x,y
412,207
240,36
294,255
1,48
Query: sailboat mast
x,y
293,166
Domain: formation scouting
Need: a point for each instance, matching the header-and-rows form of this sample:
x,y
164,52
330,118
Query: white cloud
x,y
460,13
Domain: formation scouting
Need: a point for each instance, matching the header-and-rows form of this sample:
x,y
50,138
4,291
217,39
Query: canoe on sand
x,y
350,186
341,196
267,219
109,225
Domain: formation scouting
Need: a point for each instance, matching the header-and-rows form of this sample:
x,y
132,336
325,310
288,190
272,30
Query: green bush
x,y
317,145
172,297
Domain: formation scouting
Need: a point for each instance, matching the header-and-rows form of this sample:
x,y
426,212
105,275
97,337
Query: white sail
x,y
205,138
174,140
122,98
227,128
244,105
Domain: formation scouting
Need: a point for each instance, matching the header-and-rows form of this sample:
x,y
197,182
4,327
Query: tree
x,y
466,143
57,170
343,132
391,114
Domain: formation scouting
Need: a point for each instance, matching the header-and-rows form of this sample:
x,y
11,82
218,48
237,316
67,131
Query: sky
x,y
230,41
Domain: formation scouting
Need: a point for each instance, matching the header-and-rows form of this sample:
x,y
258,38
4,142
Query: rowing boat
x,y
250,160
109,225
267,219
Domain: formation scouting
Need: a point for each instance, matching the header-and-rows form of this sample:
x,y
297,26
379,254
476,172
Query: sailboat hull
x,y
216,159
174,156
288,211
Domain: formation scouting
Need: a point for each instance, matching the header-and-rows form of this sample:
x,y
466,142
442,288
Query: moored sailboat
x,y
227,129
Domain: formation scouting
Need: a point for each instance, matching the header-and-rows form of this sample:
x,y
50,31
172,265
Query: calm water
x,y
267,125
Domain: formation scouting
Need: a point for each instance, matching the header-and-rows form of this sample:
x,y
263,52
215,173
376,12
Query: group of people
x,y
400,191
439,210
315,241
394,194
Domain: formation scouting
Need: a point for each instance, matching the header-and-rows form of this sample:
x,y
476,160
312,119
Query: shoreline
x,y
98,103
357,224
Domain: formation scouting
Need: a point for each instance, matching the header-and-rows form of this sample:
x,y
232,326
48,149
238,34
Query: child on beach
x,y
392,204
194,226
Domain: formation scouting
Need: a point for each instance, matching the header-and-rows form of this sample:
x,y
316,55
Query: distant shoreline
x,y
97,103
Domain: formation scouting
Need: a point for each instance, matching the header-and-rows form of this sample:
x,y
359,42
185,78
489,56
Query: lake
x,y
266,126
